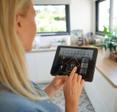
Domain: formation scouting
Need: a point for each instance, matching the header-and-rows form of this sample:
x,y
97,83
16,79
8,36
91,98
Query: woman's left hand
x,y
58,82
55,85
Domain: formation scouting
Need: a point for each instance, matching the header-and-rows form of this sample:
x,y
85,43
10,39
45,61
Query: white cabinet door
x,y
102,94
39,65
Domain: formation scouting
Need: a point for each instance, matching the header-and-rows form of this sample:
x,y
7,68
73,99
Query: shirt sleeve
x,y
30,110
41,92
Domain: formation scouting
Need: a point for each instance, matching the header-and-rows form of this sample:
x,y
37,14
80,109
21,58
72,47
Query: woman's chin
x,y
27,50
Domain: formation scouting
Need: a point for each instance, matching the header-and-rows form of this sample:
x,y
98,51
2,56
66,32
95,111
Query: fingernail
x,y
75,68
80,76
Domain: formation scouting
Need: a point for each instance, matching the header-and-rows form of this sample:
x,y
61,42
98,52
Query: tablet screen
x,y
67,58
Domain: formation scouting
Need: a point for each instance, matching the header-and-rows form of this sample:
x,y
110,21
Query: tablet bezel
x,y
92,66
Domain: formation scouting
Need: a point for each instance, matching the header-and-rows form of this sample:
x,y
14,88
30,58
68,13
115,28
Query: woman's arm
x,y
55,85
50,90
71,108
73,86
72,91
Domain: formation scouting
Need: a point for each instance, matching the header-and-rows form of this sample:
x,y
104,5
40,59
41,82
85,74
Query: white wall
x,y
93,9
81,12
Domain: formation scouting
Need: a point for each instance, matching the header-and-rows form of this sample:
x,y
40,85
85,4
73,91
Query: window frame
x,y
97,17
67,15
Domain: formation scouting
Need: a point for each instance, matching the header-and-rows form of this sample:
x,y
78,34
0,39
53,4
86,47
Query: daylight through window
x,y
52,19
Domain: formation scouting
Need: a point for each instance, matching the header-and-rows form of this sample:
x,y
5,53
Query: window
x,y
114,20
102,14
106,15
52,19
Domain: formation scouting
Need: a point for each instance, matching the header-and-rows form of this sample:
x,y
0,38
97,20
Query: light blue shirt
x,y
10,102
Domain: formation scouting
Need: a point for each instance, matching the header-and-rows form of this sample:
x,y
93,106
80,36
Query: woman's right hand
x,y
72,90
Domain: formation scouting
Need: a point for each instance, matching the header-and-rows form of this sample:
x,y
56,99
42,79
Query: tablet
x,y
67,57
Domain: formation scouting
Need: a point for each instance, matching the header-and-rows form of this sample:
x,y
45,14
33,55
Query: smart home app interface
x,y
68,58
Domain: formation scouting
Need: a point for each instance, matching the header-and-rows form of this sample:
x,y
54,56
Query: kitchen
x,y
102,91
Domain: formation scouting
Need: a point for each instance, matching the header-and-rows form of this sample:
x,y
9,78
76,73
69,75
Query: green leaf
x,y
106,32
109,34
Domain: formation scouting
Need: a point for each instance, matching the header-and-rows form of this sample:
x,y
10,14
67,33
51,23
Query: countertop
x,y
107,67
44,49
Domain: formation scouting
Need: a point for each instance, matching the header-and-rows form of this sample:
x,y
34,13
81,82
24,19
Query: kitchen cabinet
x,y
102,94
39,65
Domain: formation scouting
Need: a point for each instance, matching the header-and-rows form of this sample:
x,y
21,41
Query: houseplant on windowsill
x,y
109,41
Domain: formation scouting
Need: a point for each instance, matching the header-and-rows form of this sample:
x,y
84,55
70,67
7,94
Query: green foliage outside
x,y
50,22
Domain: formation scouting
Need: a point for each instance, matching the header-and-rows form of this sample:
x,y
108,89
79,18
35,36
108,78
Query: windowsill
x,y
44,49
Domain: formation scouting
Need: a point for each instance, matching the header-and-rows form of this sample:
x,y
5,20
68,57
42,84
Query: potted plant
x,y
108,41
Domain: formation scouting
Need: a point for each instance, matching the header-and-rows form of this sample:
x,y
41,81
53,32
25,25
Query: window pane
x,y
103,14
115,16
51,18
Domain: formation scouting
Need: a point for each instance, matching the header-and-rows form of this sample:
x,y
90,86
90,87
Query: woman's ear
x,y
19,23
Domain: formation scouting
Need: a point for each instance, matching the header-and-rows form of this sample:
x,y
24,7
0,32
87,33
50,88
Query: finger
x,y
66,78
60,77
75,77
79,78
73,72
63,77
82,82
56,76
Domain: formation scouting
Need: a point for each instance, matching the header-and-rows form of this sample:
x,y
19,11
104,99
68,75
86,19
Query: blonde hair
x,y
13,72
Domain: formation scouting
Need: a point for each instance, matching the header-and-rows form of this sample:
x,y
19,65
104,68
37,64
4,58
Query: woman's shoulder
x,y
10,102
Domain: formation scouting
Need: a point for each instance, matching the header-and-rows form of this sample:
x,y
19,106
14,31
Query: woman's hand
x,y
55,85
58,82
72,91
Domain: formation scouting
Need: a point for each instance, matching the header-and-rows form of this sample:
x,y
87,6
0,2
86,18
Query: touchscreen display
x,y
67,58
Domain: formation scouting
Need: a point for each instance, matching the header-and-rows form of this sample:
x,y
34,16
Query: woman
x,y
17,93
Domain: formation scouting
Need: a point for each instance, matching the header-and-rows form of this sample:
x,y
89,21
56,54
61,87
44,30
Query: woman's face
x,y
26,28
